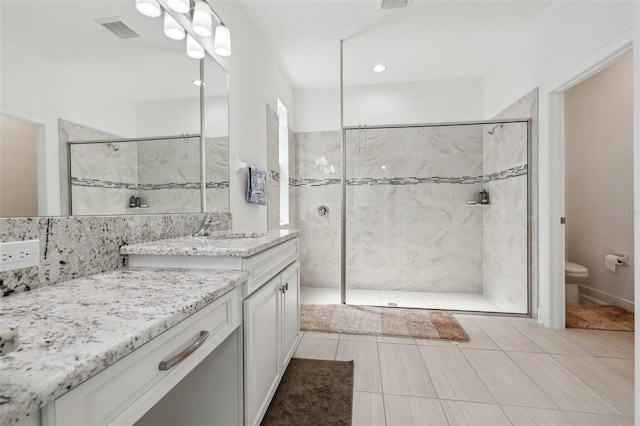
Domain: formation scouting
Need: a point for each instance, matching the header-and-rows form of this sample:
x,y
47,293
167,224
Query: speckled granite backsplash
x,y
79,246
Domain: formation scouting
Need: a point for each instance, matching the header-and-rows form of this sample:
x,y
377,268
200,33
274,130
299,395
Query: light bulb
x,y
202,19
172,29
379,68
149,8
180,6
222,43
194,50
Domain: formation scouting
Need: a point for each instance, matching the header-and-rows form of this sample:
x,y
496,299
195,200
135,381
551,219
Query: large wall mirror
x,y
100,108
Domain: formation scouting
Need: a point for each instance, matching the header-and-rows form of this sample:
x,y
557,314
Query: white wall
x,y
174,117
255,79
403,103
37,90
565,34
599,177
556,48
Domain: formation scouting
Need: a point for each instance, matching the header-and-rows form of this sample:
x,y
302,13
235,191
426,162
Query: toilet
x,y
574,274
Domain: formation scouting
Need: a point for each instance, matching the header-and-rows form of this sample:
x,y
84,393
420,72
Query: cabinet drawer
x,y
264,266
122,393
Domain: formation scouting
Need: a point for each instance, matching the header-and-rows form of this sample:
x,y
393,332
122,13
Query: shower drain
x,y
392,304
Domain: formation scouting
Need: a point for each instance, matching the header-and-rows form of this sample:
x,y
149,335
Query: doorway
x,y
18,167
598,124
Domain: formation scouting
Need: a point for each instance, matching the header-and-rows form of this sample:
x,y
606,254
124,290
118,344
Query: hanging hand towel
x,y
257,187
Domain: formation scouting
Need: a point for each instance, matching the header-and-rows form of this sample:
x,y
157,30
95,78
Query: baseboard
x,y
602,298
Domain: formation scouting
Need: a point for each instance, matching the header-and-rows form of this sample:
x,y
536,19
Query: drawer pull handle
x,y
167,365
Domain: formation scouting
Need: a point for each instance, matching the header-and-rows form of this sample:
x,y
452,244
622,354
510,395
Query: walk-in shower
x,y
419,232
147,175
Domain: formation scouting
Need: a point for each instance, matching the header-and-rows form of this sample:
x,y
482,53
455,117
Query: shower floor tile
x,y
408,299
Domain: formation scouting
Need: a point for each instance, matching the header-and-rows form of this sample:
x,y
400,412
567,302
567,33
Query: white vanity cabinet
x,y
271,307
271,336
124,392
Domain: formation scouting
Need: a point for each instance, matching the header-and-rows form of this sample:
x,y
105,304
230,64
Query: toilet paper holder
x,y
623,258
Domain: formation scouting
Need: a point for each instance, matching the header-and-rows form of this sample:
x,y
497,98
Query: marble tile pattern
x,y
408,225
506,220
412,180
445,151
165,174
79,246
527,107
169,174
414,238
70,131
240,244
314,185
91,323
505,244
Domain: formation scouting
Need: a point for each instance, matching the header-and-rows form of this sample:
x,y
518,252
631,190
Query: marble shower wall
x,y
505,219
169,175
79,246
103,178
318,154
408,225
89,199
505,223
165,174
273,171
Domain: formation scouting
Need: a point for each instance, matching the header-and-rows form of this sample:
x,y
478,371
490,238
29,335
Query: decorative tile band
x,y
96,183
506,174
412,180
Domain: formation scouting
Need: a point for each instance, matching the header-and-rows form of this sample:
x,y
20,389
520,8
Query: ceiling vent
x,y
393,4
118,27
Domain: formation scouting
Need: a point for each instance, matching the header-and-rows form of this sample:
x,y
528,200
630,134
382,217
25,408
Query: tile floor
x,y
511,372
411,299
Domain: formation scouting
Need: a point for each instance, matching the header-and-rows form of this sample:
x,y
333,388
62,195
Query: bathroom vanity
x,y
197,331
271,298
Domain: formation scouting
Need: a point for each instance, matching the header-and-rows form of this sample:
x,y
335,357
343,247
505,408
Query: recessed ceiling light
x,y
199,83
379,68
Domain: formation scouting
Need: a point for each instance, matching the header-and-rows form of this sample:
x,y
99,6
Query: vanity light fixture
x,y
222,43
180,6
202,19
194,50
379,68
172,28
149,8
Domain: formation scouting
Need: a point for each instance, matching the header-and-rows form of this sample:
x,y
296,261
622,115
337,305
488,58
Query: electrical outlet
x,y
19,255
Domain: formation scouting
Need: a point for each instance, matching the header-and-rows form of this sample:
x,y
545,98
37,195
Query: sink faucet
x,y
207,224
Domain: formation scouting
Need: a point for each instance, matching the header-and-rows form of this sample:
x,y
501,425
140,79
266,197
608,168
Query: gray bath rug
x,y
374,321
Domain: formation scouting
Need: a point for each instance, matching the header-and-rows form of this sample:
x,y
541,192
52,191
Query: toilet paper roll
x,y
611,261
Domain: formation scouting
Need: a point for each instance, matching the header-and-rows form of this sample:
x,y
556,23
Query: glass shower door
x,y
415,227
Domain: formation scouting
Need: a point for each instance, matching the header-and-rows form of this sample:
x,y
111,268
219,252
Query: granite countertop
x,y
71,331
240,244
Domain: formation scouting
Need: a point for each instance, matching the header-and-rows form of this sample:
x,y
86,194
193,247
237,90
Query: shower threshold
x,y
410,299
